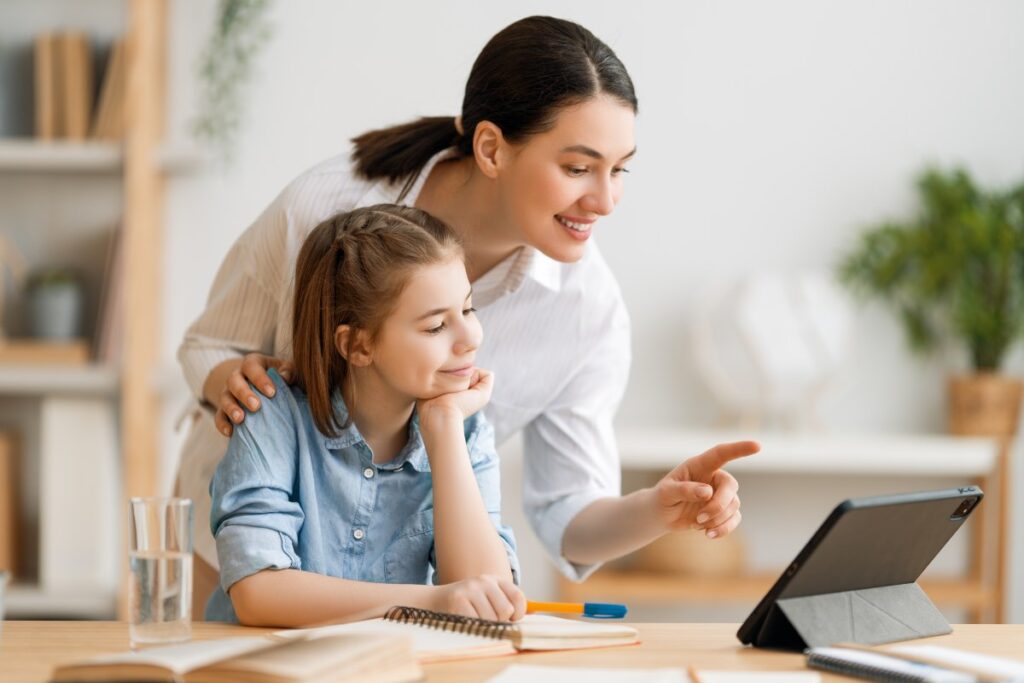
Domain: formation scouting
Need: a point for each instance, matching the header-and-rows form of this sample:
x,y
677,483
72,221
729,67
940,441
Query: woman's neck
x,y
457,193
380,414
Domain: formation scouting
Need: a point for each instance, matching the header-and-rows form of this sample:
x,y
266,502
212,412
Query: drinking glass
x,y
160,557
4,576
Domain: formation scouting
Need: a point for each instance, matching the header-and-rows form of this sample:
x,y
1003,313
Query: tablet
x,y
868,543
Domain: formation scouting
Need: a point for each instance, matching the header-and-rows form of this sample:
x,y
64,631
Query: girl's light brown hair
x,y
351,270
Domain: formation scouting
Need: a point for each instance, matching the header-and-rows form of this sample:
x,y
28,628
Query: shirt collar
x,y
414,452
509,275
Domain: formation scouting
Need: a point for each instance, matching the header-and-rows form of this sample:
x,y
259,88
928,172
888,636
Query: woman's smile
x,y
577,230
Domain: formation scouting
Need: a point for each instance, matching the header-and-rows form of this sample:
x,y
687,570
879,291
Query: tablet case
x,y
855,579
870,616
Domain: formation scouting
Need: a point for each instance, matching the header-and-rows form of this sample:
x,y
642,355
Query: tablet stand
x,y
869,616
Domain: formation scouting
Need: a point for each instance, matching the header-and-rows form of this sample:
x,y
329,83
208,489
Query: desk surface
x,y
30,649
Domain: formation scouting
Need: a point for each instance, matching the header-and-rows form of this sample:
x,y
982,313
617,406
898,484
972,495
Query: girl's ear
x,y
353,345
489,148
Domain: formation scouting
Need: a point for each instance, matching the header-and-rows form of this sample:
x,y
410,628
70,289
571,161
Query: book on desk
x,y
388,650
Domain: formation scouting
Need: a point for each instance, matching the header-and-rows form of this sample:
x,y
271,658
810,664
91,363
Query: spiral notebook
x,y
917,664
439,637
876,666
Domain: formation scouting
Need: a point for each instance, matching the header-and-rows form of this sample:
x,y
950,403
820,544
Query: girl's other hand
x,y
460,403
483,597
249,372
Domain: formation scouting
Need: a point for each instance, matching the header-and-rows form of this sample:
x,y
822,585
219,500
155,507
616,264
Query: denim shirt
x,y
287,497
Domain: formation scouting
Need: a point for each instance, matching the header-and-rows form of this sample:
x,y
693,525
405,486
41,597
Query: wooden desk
x,y
30,649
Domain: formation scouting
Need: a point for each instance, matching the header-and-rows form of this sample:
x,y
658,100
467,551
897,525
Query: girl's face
x,y
558,183
427,346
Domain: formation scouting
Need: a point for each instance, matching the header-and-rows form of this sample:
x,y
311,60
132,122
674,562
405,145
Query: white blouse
x,y
556,335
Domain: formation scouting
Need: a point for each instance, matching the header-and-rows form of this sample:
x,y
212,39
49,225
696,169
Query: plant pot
x,y
984,404
55,311
693,554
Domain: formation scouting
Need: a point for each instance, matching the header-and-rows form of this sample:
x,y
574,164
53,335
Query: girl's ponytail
x,y
318,365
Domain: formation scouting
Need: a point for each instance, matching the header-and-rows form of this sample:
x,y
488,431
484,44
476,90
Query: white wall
x,y
770,135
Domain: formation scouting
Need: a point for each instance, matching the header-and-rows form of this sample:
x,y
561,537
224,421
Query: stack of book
x,y
66,107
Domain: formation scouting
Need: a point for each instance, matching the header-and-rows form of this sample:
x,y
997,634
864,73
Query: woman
x,y
522,176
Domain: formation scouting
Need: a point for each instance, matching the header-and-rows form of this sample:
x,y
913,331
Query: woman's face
x,y
427,346
557,184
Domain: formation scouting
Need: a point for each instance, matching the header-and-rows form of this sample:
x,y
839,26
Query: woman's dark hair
x,y
351,270
522,78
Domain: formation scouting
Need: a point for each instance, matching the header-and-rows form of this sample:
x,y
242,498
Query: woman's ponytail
x,y
399,152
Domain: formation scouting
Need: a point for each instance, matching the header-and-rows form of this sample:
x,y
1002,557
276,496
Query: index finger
x,y
719,456
255,372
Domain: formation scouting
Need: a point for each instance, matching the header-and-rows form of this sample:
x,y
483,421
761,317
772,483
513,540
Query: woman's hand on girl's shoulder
x,y
241,376
460,404
483,597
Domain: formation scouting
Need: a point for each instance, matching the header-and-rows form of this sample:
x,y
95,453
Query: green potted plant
x,y
955,271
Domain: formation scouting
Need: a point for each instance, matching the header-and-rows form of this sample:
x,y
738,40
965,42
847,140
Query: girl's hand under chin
x,y
460,404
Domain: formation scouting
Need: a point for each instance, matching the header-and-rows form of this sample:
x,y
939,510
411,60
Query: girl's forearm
x,y
465,540
609,528
290,598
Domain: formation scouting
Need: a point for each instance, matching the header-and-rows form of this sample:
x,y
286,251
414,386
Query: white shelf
x,y
33,602
37,156
32,380
898,454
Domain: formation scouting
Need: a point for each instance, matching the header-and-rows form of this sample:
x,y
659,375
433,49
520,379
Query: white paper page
x,y
424,639
525,673
1010,669
708,676
186,656
543,625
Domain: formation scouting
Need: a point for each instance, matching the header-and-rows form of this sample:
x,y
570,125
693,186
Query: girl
x,y
377,467
523,175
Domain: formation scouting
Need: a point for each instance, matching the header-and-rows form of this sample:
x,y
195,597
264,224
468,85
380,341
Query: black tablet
x,y
873,549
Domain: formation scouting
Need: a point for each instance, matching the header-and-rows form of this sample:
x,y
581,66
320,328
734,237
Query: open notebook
x,y
440,637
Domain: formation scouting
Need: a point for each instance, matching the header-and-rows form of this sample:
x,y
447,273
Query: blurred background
x,y
775,142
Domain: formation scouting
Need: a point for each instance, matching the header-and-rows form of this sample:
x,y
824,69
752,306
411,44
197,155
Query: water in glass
x,y
161,596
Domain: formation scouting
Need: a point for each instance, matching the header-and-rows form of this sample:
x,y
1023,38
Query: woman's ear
x,y
489,148
353,345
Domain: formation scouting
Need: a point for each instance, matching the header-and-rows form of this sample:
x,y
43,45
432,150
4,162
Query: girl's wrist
x,y
439,419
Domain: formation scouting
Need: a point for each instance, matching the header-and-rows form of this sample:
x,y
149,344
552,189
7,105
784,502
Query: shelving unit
x,y
90,431
984,461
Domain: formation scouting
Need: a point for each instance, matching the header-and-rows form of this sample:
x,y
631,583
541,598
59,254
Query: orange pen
x,y
596,610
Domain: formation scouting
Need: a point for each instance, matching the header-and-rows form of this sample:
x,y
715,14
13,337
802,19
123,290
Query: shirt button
x,y
368,473
358,534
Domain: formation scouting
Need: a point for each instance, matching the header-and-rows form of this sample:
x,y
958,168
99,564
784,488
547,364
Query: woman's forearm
x,y
466,543
290,598
609,528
